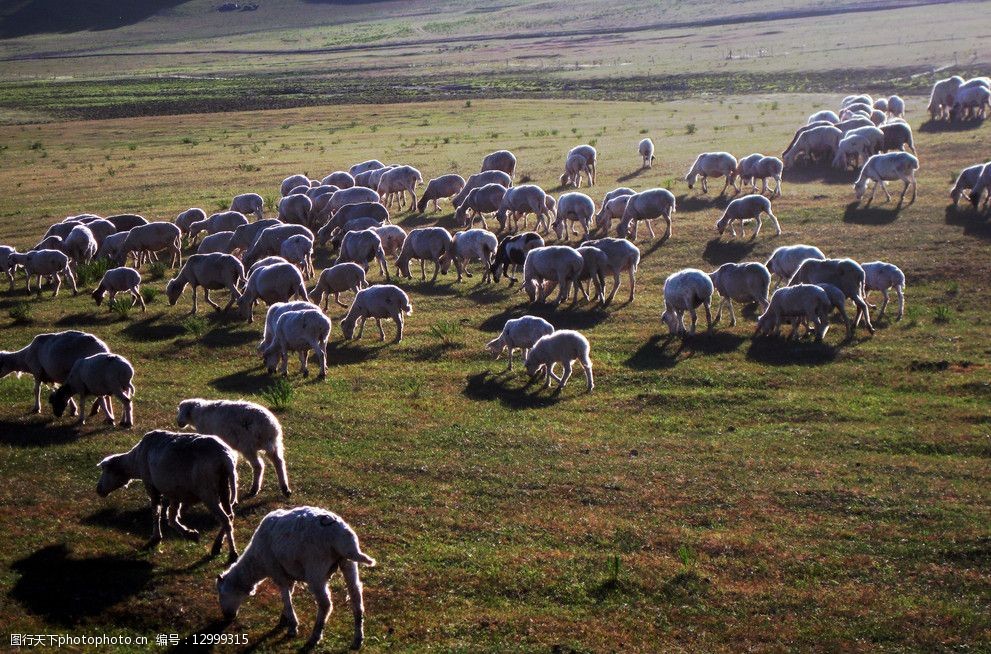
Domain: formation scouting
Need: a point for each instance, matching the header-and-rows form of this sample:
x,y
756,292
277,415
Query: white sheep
x,y
378,302
337,279
885,167
371,164
301,332
512,252
481,179
121,222
144,240
647,206
862,98
982,185
51,264
852,148
646,150
574,166
120,280
749,207
80,245
225,221
795,304
825,115
785,260
295,209
393,238
594,267
612,210
362,247
111,246
519,333
397,182
744,282
881,104
973,102
523,200
338,178
818,141
211,272
846,275
373,210
684,291
298,250
480,201
6,264
355,225
269,242
445,186
275,283
473,245
564,346
623,257
246,203
897,135
894,107
576,208
219,242
302,544
713,164
176,470
880,276
502,160
590,155
966,180
291,182
426,244
353,195
102,375
549,266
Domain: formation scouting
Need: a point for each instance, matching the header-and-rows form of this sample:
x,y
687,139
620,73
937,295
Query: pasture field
x,y
716,494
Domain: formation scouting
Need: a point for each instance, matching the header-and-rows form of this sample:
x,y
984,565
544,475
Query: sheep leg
x,y
138,298
156,513
279,462
901,301
193,311
667,231
206,296
75,289
732,314
128,403
173,514
884,187
58,284
361,327
863,310
423,270
915,187
304,356
222,511
235,295
615,286
257,472
566,374
37,396
756,229
324,607
708,315
349,570
336,299
884,303
288,617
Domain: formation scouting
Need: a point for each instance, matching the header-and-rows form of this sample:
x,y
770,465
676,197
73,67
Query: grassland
x,y
720,494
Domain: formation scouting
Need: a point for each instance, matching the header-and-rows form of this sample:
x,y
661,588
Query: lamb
x,y
225,221
339,178
364,179
49,358
121,222
291,182
445,186
846,275
512,251
785,260
502,160
480,201
45,263
269,241
856,109
817,141
574,166
519,333
399,181
522,200
120,280
219,242
825,115
275,283
211,272
154,237
364,166
613,209
80,245
973,102
6,264
187,218
574,207
646,150
298,331
111,246
590,155
713,164
749,207
564,346
744,282
302,544
246,203
393,238
481,179
966,180
177,470
942,97
764,168
684,291
878,117
426,244
378,302
49,243
298,250
895,107
880,276
295,209
982,184
102,375
60,230
548,266
648,205
595,264
362,247
603,218
887,167
744,168
803,302
470,245
335,280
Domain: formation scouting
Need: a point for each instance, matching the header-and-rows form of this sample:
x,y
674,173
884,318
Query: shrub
x,y
20,312
149,294
690,128
279,395
194,326
91,273
157,269
942,314
121,305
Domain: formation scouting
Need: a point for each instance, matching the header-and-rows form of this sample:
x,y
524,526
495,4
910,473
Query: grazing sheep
x,y
471,245
564,346
853,148
211,272
856,99
648,205
249,203
971,103
49,243
713,164
894,107
623,256
983,184
45,263
684,291
353,195
856,109
271,284
523,200
369,179
362,247
837,300
512,251
548,266
878,117
378,302
880,276
111,247
177,470
574,166
102,375
603,219
785,260
263,263
272,316
744,169
302,544
374,210
590,155
339,178
445,186
298,250
846,275
80,245
295,209
480,201
502,160
298,331
646,150
825,115
291,182
269,242
397,182
595,264
574,207
121,222
749,207
426,244
219,242
365,166
818,141
61,230
187,218
942,97
966,180
519,333
801,303
337,279
613,209
481,179
887,167
873,135
881,104
120,280
897,135
393,238
49,358
225,221
144,240
6,264
764,168
246,235
356,225
744,282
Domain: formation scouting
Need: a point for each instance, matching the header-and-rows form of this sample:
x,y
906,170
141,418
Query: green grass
x,y
279,395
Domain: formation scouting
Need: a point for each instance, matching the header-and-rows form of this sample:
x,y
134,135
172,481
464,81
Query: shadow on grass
x,y
428,219
872,215
820,172
974,222
667,351
566,318
349,352
65,589
228,336
699,202
245,381
150,329
632,175
717,251
941,126
488,386
138,521
87,319
782,352
39,432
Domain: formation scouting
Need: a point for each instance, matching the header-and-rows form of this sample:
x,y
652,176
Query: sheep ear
x,y
105,462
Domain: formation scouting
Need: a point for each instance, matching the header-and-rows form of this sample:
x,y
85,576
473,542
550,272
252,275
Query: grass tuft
x,y
91,273
450,333
158,269
194,326
20,312
942,314
279,395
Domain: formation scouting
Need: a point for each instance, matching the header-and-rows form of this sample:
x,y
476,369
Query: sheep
x,y
301,544
982,184
785,260
825,115
339,178
512,251
480,201
292,182
426,244
45,263
897,135
803,302
378,302
519,333
880,276
187,218
713,164
352,195
60,230
374,210
272,316
364,178
299,190
393,237
855,109
211,272
111,246
873,135
269,241
298,331
564,346
219,242
974,102
881,104
295,209
49,358
612,209
263,263
648,205
481,179
749,207
816,141
49,243
246,235
764,168
590,155
646,150
684,291
623,256
298,249
364,166
225,221
319,199
522,200
878,117
176,470
744,168
356,225
837,300
375,176
551,265
611,195
595,263
966,181
120,280
846,275
246,203
6,264
397,182
102,375
362,247
340,277
502,160
885,167
576,207
144,240
856,99
470,245
941,99
80,245
744,282
445,186
574,166
894,107
853,148
275,283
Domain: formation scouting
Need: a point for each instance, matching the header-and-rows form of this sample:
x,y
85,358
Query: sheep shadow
x,y
227,337
150,329
701,202
632,175
664,351
821,172
37,432
567,318
344,353
65,589
717,251
84,319
873,215
974,222
488,386
942,126
244,381
487,293
138,521
782,352
425,219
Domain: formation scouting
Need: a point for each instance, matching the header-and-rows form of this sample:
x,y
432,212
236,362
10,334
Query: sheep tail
x,y
352,552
